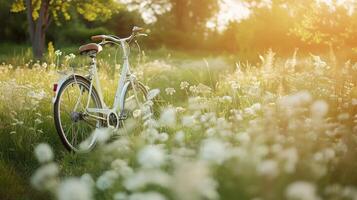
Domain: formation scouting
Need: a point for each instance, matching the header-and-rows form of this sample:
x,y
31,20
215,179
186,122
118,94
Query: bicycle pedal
x,y
123,117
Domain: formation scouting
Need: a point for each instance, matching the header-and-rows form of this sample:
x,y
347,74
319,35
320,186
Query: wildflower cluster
x,y
277,131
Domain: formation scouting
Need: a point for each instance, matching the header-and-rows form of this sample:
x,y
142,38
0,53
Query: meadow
x,y
279,128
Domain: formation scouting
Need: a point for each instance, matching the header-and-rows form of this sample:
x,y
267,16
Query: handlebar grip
x,y
98,38
137,29
142,34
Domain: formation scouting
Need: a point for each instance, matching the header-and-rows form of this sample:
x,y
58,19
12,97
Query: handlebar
x,y
136,32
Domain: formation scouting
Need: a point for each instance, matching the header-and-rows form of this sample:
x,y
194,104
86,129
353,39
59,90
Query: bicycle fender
x,y
122,95
60,83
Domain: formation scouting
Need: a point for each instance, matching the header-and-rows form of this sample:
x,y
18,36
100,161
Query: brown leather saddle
x,y
91,47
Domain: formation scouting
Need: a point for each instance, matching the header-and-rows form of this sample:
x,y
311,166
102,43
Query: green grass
x,y
17,148
270,85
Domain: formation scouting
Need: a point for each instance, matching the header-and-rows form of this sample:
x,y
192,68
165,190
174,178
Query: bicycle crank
x,y
113,120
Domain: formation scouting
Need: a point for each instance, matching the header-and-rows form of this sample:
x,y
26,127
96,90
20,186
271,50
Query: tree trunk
x,y
179,12
37,28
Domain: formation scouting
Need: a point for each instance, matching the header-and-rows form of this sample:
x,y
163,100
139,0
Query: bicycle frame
x,y
126,78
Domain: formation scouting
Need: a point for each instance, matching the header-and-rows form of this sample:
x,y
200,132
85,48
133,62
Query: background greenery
x,y
235,63
283,27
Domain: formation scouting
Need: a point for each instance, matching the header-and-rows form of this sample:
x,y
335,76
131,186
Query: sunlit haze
x,y
234,11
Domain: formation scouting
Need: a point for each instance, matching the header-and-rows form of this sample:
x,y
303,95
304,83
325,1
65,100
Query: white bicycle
x,y
79,107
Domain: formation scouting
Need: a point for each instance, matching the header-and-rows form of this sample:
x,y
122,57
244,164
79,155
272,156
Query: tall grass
x,y
281,129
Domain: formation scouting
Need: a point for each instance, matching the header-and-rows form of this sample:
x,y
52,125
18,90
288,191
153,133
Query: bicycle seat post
x,y
94,74
92,63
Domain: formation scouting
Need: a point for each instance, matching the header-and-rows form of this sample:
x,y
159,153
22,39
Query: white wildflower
x,y
45,177
197,103
343,116
193,89
43,153
211,132
151,123
184,85
214,150
37,95
243,137
203,89
74,189
256,106
163,137
102,134
325,155
188,121
329,153
137,113
354,102
180,109
350,191
320,66
151,134
146,196
37,65
146,177
44,65
252,110
234,85
168,117
291,158
69,57
120,196
87,178
268,168
319,109
118,163
180,136
226,99
107,179
122,167
301,190
354,67
170,91
237,114
58,52
291,102
192,181
151,156
38,121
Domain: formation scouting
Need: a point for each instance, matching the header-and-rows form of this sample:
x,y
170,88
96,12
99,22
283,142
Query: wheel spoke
x,y
75,125
135,98
90,124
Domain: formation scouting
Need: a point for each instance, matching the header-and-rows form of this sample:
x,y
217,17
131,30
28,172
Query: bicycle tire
x,y
94,95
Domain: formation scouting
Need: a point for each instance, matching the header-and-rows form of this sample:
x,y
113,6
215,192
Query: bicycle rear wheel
x,y
74,125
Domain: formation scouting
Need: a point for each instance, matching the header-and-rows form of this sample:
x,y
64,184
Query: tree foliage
x,y
61,9
331,23
40,13
280,24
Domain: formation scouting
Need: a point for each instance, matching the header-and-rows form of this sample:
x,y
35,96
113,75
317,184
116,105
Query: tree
x,y
328,23
182,22
13,28
148,9
185,24
192,15
40,14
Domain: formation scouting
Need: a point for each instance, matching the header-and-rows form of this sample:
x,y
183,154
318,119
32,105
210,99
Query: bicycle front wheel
x,y
135,106
73,123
